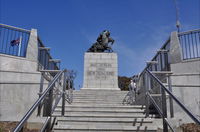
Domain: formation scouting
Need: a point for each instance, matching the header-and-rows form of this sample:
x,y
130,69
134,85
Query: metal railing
x,y
129,98
46,62
190,44
152,87
48,99
160,61
162,110
13,40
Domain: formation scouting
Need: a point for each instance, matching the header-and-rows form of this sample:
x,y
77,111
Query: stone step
x,y
100,99
103,106
99,91
101,128
99,96
101,110
92,119
111,123
100,114
97,101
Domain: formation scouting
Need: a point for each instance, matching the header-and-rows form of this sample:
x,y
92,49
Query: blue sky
x,y
69,27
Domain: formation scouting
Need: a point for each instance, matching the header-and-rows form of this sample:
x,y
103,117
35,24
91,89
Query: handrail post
x,y
49,108
164,110
40,93
170,98
63,94
146,96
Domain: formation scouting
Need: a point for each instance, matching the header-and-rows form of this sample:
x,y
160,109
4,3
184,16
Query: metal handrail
x,y
188,112
159,110
47,56
37,103
162,48
187,32
129,98
14,28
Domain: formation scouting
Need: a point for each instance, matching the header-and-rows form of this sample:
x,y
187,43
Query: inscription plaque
x,y
100,71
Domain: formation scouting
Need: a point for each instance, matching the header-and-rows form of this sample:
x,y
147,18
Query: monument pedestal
x,y
100,71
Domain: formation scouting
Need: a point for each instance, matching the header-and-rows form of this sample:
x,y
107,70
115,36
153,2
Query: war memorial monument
x,y
100,65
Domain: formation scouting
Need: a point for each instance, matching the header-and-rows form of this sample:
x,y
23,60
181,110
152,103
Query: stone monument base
x,y
100,71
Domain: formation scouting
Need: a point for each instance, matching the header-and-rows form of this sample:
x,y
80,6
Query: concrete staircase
x,y
98,110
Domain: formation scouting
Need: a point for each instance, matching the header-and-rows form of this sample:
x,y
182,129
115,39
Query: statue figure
x,y
102,43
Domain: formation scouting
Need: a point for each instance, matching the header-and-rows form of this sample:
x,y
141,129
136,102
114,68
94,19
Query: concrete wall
x,y
19,82
185,81
186,86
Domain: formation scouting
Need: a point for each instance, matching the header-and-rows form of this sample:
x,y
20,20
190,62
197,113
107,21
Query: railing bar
x,y
185,47
3,39
45,124
27,41
31,110
7,41
195,38
25,44
199,43
22,44
188,37
192,44
177,101
155,104
188,32
56,103
13,48
182,46
170,126
11,36
14,28
1,43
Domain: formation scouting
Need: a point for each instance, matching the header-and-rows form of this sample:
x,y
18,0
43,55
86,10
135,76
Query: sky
x,y
70,27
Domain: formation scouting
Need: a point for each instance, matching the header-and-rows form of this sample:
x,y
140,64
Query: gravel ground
x,y
190,127
8,126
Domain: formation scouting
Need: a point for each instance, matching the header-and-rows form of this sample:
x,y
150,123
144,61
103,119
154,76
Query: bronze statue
x,y
102,43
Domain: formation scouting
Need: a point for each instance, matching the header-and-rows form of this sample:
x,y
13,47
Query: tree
x,y
123,82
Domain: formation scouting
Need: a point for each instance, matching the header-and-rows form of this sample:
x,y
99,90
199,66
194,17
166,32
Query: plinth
x,y
100,71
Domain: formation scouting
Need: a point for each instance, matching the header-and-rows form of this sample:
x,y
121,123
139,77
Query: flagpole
x,y
19,49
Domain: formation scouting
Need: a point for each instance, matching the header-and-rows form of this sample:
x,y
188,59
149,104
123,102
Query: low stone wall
x,y
19,87
186,87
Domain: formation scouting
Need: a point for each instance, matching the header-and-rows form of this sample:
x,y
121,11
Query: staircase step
x,y
96,101
101,127
110,121
101,110
101,115
91,119
103,106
